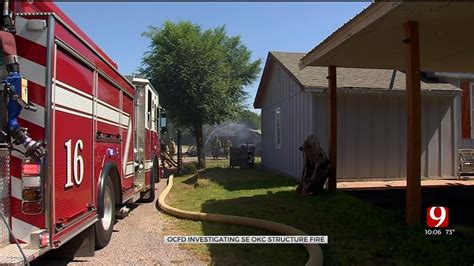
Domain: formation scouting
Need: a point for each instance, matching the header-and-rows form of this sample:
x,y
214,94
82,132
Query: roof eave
x,y
372,13
357,90
257,103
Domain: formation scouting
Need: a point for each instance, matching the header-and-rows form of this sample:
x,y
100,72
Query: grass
x,y
359,233
224,163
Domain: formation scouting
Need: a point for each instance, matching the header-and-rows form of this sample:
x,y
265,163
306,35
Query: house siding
x,y
296,123
372,135
371,131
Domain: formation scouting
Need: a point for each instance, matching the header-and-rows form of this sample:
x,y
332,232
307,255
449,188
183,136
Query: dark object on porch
x,y
466,162
316,167
243,157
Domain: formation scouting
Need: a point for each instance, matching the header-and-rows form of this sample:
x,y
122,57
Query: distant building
x,y
371,116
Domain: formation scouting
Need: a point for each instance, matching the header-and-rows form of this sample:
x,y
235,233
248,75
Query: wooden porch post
x,y
332,127
413,190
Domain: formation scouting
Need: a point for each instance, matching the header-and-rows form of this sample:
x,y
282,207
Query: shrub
x,y
189,169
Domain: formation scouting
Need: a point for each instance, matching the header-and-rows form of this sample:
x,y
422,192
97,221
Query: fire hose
x,y
314,250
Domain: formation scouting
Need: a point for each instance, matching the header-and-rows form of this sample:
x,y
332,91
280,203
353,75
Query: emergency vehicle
x,y
78,140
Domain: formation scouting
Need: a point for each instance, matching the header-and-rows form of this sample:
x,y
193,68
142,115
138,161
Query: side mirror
x,y
163,123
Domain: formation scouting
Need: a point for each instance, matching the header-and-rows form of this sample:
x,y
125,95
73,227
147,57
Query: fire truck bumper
x,y
11,254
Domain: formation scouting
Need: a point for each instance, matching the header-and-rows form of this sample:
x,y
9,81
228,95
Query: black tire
x,y
149,196
105,225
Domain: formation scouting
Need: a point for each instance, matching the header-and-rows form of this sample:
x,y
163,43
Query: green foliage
x,y
200,74
188,169
250,119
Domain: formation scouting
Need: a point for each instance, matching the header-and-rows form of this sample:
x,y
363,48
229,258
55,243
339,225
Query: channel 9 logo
x,y
437,217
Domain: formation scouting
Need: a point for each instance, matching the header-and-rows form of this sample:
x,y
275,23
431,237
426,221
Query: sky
x,y
286,27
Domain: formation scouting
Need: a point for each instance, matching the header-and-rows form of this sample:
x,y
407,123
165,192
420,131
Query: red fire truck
x,y
78,140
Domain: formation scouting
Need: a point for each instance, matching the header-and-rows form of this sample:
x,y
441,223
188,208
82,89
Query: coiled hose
x,y
314,250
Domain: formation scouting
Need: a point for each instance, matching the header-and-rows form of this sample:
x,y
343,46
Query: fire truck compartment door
x,y
72,139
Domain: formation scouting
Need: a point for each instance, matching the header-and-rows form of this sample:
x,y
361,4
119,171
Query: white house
x,y
371,117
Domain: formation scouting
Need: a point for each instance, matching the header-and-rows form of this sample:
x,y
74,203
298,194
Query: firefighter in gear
x,y
163,153
172,147
227,146
216,146
316,167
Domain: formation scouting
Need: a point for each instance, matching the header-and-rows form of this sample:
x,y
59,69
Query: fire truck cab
x,y
78,142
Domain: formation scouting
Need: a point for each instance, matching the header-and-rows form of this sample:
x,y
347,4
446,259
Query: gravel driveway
x,y
137,240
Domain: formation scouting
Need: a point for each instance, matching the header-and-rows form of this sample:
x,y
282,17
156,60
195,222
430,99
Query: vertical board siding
x,y
433,137
446,153
341,108
371,131
296,123
321,122
379,136
424,145
403,136
349,118
393,137
365,138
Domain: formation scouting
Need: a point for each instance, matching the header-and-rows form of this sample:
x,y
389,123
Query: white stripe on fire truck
x,y
64,110
72,100
112,114
124,115
124,119
36,118
71,88
32,71
16,188
108,122
108,105
78,100
38,37
22,230
108,113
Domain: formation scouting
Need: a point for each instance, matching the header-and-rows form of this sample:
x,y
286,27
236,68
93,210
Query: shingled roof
x,y
357,79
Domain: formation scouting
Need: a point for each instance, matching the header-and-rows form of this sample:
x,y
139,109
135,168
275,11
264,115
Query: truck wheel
x,y
105,225
149,196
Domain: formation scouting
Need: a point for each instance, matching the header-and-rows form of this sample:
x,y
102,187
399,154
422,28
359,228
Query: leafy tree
x,y
200,75
250,119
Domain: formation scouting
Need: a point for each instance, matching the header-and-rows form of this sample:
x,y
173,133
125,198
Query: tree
x,y
250,119
200,75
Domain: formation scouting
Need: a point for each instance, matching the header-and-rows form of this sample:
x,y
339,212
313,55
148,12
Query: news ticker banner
x,y
244,239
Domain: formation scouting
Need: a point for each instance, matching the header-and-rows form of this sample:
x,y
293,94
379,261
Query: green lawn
x,y
359,233
223,163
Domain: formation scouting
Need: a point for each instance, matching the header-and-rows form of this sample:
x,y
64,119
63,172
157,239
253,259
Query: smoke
x,y
239,134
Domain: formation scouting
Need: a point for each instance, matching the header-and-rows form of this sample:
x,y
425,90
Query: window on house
x,y
277,128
